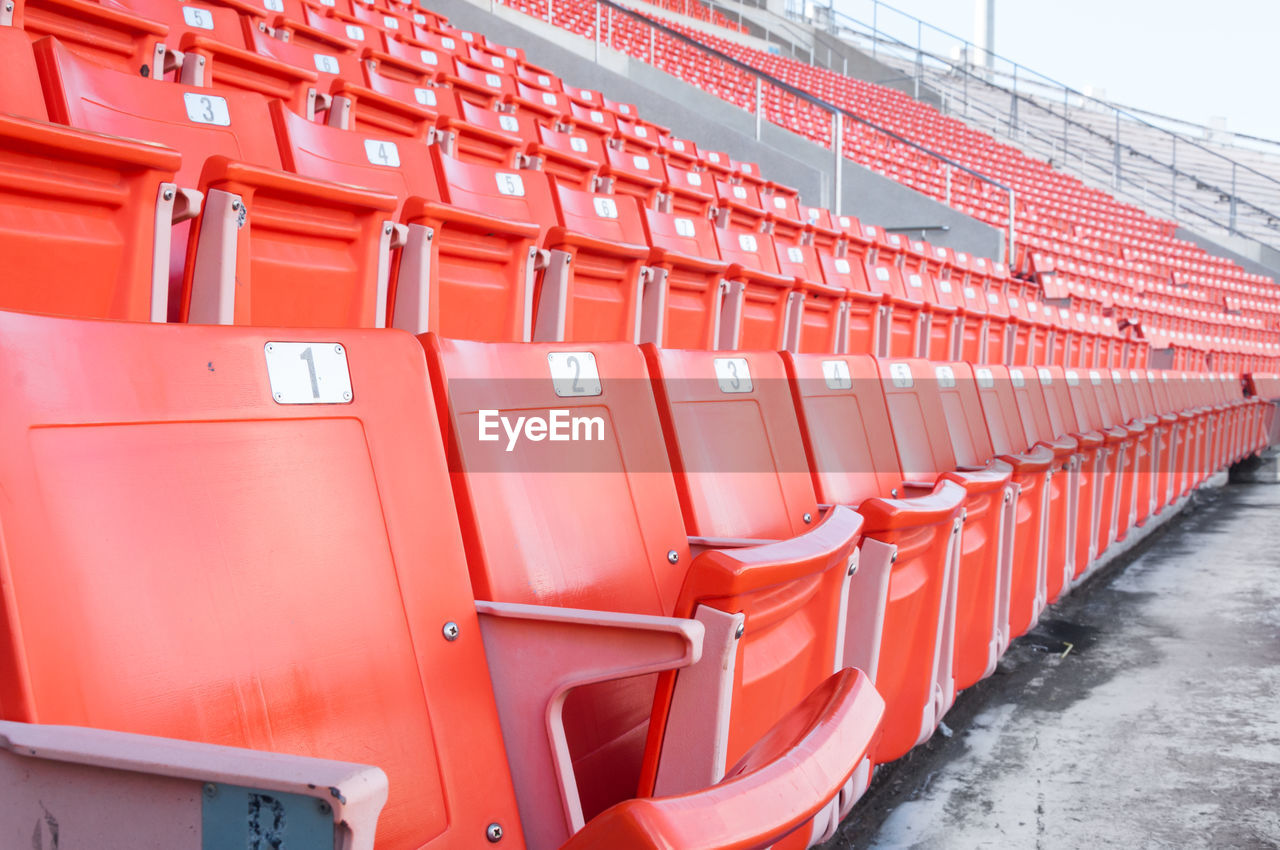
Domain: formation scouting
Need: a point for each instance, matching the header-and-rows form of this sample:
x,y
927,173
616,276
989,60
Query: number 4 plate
x,y
308,372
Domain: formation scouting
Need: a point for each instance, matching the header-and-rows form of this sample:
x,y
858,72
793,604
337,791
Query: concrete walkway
x,y
1143,711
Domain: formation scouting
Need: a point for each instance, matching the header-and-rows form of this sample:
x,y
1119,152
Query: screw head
x,y
493,832
853,565
742,628
279,396
386,228
893,493
346,395
210,790
893,557
168,194
270,347
324,807
808,518
450,631
673,557
337,349
235,205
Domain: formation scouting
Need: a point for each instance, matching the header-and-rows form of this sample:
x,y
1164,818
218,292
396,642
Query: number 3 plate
x,y
308,372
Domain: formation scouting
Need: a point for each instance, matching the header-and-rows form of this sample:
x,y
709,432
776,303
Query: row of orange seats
x,y
488,251
1043,194
411,593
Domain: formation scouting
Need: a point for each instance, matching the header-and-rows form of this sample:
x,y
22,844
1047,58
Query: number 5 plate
x,y
308,372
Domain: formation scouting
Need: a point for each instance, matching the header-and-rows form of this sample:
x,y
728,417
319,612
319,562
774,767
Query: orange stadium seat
x,y
633,561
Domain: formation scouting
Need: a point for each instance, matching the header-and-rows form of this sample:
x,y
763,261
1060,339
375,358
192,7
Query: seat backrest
x,y
996,385
198,547
1084,398
198,122
970,437
920,428
1144,391
1030,394
748,249
614,218
734,443
1103,383
1125,393
513,194
693,236
1163,392
1058,402
845,424
609,490
399,167
207,20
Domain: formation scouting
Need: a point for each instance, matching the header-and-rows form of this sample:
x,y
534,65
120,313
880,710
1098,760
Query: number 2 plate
x,y
574,373
308,372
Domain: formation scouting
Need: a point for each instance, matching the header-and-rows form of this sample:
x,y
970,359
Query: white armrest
x,y
129,791
537,654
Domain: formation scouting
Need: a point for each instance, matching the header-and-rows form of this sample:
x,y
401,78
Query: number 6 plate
x,y
308,372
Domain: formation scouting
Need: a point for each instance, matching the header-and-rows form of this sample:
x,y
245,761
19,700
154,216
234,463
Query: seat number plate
x,y
836,374
733,374
574,373
207,109
382,153
308,372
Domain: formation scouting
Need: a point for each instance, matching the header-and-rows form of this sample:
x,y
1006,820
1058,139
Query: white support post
x,y
1012,230
837,149
759,105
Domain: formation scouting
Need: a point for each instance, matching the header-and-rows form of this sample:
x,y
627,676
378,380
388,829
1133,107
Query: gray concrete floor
x,y
1143,711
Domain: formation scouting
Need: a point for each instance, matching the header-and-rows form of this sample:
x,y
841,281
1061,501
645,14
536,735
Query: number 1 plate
x,y
308,372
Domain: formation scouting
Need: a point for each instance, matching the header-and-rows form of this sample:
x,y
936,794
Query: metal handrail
x,y
878,35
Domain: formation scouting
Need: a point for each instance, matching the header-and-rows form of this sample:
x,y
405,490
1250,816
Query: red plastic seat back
x,y
509,193
614,218
996,386
202,553
735,443
1033,406
199,123
846,427
748,249
610,492
399,167
919,422
1084,398
962,406
1058,402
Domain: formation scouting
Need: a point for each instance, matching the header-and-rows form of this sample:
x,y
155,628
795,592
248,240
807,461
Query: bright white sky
x,y
1190,59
